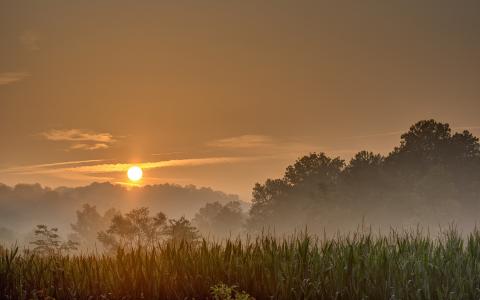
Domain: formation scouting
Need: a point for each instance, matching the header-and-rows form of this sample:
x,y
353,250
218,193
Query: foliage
x,y
288,202
181,230
224,292
138,229
220,220
48,242
401,265
89,223
433,177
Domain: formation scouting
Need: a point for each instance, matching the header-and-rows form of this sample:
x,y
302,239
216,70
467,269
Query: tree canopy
x,y
433,175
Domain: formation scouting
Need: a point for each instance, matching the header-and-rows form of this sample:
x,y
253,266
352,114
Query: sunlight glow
x,y
134,173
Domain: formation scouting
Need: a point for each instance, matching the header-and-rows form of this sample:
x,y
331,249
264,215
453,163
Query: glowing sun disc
x,y
134,173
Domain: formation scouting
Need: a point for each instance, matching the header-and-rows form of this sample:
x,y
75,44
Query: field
x,y
406,265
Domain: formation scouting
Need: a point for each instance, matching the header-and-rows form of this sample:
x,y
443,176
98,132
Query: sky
x,y
220,93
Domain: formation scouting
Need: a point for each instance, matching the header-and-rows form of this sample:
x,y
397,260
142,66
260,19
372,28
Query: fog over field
x,y
24,205
430,181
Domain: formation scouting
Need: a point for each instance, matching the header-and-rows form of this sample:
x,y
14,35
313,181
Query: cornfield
x,y
398,265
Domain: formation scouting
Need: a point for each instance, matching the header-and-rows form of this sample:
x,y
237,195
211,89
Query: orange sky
x,y
223,94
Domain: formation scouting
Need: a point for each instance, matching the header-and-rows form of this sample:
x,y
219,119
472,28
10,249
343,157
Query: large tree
x,y
180,230
220,220
135,228
139,228
89,223
306,186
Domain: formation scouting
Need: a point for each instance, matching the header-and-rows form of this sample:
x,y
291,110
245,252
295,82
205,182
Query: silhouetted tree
x,y
180,230
220,220
362,172
268,201
48,242
136,228
89,223
432,171
429,143
432,176
364,165
314,169
307,185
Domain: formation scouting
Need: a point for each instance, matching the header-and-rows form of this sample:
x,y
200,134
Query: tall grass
x,y
407,265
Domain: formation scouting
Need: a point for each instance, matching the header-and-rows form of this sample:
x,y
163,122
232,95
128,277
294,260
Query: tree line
x,y
431,178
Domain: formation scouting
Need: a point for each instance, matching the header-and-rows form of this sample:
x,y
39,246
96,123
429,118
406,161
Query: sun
x,y
135,173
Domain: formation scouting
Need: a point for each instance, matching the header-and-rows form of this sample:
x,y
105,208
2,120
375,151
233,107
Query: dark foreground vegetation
x,y
407,265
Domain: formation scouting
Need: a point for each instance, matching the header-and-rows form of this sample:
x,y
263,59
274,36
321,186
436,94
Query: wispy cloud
x,y
189,162
11,77
169,153
80,139
29,40
77,135
243,141
89,170
285,148
89,146
37,167
264,145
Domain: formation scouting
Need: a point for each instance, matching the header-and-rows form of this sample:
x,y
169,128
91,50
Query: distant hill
x,y
25,205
